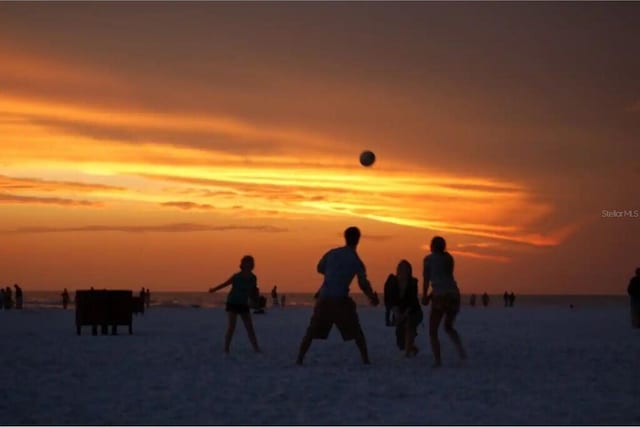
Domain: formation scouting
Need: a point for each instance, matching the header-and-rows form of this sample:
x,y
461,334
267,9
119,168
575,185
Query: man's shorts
x,y
339,311
446,303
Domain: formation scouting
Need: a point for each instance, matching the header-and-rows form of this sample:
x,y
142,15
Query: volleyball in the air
x,y
367,158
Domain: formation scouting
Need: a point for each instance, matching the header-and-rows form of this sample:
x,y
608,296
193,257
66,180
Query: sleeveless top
x,y
241,288
439,266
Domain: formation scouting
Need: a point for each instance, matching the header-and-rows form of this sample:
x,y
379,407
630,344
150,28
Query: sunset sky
x,y
154,144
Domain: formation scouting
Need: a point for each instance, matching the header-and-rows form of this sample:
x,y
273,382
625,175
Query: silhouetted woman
x,y
243,285
445,297
401,293
65,298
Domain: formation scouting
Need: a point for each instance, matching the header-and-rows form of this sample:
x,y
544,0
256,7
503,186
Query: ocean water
x,y
53,300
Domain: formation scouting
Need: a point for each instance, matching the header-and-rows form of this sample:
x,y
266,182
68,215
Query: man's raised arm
x,y
365,285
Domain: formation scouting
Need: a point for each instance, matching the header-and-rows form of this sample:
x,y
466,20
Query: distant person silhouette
x,y
438,269
65,299
401,291
283,298
472,300
334,305
512,299
634,295
506,298
274,295
8,298
147,298
485,299
19,300
243,285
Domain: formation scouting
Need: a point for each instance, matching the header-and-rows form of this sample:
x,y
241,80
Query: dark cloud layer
x,y
164,228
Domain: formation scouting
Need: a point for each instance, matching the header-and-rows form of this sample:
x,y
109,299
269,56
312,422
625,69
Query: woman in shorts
x,y
243,285
445,297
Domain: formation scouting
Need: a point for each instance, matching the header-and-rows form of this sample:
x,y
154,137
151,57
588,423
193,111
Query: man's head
x,y
352,236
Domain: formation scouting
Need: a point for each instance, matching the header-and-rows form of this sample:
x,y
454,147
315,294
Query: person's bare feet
x,y
412,352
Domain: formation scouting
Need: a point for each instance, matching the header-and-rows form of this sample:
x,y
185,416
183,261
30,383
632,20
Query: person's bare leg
x,y
230,329
361,342
409,341
304,347
248,324
434,323
455,337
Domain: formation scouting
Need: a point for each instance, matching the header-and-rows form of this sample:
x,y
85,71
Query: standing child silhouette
x,y
243,284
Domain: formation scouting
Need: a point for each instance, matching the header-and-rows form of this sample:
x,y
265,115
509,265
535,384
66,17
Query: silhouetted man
x,y
274,295
8,298
512,299
65,298
472,300
485,299
334,305
506,299
18,296
634,294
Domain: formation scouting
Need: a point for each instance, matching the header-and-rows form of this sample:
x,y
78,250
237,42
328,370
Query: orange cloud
x,y
145,120
267,183
187,205
12,183
19,66
29,200
481,256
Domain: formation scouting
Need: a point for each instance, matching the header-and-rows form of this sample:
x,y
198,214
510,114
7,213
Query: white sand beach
x,y
544,365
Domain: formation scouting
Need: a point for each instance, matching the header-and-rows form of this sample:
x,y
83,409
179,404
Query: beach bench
x,y
104,308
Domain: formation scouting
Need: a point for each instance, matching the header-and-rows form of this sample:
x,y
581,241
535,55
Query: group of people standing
x,y
145,297
333,304
7,300
509,299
